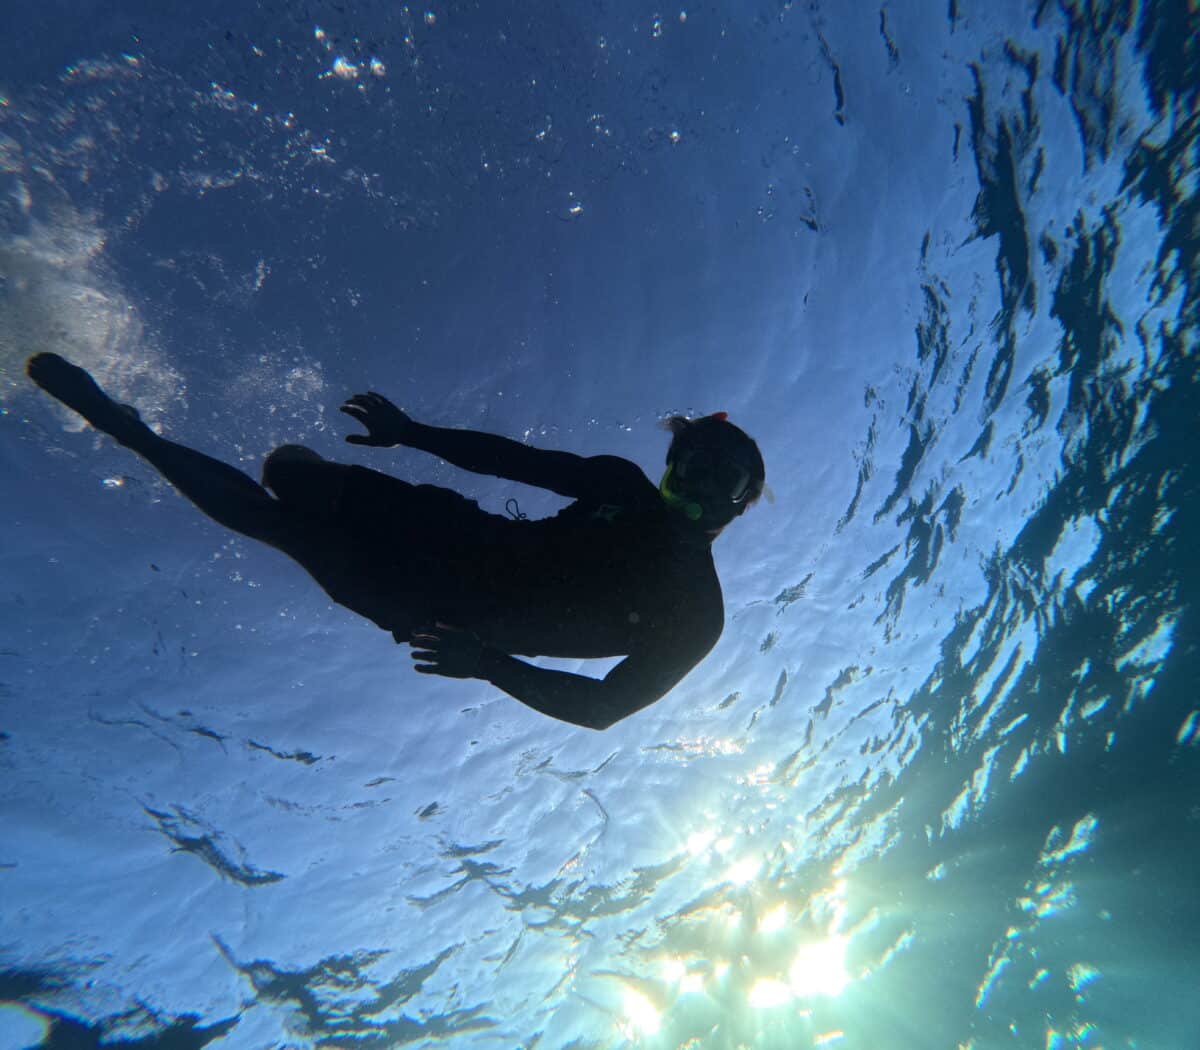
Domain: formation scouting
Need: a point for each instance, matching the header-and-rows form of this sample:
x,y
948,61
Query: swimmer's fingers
x,y
425,653
359,412
424,648
386,424
446,651
371,401
438,632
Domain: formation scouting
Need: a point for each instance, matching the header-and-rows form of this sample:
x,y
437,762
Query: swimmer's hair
x,y
716,431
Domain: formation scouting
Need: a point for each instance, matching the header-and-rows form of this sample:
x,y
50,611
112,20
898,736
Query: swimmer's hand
x,y
386,424
446,650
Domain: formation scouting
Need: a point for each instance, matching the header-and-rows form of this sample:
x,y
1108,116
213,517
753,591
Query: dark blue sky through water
x,y
935,787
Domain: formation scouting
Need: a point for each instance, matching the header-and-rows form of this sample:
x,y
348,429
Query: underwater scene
x,y
937,782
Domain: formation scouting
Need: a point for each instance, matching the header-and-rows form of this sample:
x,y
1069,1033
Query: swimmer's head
x,y
714,470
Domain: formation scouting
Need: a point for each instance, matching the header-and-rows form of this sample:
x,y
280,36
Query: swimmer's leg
x,y
299,523
224,493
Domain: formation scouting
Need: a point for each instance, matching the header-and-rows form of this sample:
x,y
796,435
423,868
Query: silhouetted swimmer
x,y
625,570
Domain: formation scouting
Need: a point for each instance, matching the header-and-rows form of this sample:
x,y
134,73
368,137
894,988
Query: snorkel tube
x,y
691,510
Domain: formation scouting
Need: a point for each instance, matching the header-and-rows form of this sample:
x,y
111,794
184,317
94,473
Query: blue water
x,y
936,787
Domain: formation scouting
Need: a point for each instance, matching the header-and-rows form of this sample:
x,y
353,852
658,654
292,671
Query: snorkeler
x,y
625,569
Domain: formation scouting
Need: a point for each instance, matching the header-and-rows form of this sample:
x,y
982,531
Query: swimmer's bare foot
x,y
76,389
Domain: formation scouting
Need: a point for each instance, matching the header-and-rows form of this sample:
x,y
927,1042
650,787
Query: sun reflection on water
x,y
745,947
774,920
642,1017
820,968
767,992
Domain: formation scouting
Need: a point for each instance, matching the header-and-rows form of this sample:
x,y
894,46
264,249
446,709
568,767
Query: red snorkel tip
x,y
722,416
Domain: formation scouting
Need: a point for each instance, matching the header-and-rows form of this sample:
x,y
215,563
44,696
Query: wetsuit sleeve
x,y
598,478
594,703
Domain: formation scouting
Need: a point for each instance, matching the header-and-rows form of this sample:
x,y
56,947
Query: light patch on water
x,y
743,871
1080,975
990,978
1188,730
767,992
673,969
1076,546
819,969
973,794
774,920
901,943
1048,899
1081,837
642,1017
873,839
1093,708
60,297
21,1028
343,69
687,975
996,682
1149,651
1015,723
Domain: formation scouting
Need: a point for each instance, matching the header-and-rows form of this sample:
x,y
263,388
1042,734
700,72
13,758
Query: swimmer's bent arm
x,y
576,477
636,682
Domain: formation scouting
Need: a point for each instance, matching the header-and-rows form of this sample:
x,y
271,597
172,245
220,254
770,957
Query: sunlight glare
x,y
820,968
640,1012
774,920
673,969
767,992
743,871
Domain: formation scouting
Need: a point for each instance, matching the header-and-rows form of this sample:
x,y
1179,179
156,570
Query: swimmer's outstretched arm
x,y
594,703
576,477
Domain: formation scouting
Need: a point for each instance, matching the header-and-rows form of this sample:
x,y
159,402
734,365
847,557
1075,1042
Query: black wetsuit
x,y
615,573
